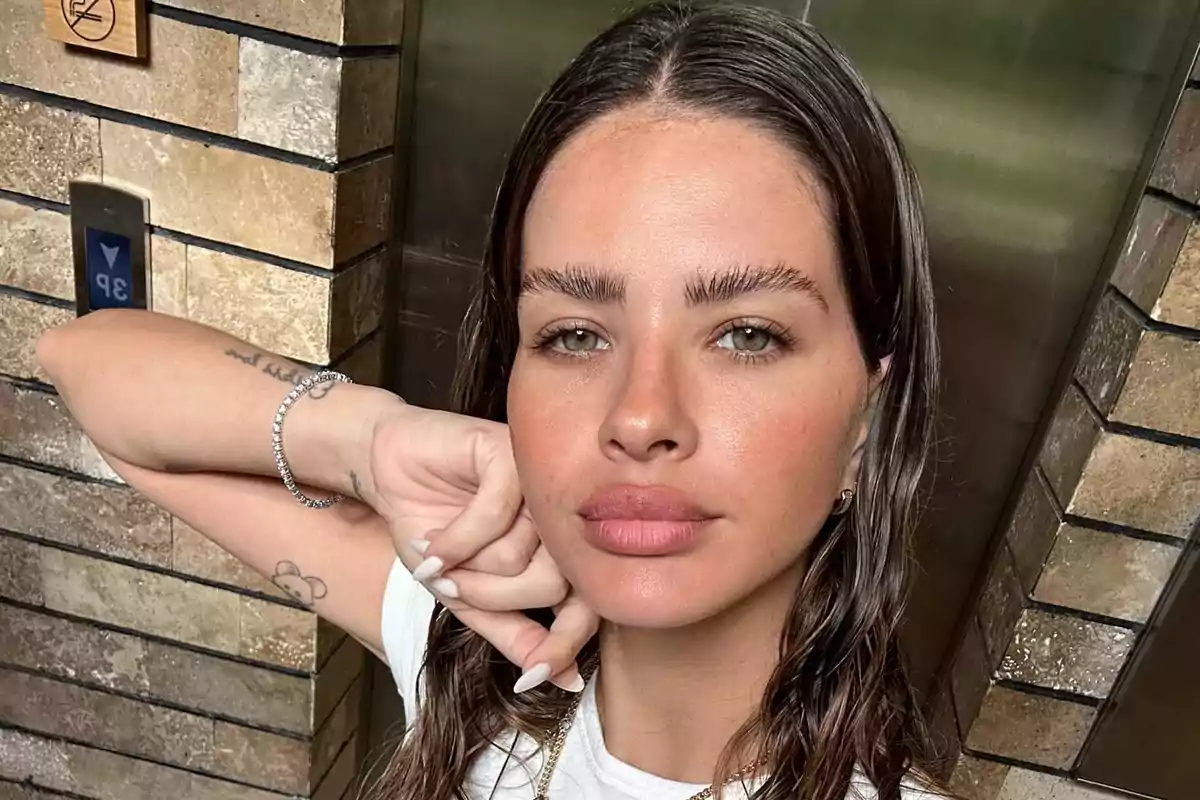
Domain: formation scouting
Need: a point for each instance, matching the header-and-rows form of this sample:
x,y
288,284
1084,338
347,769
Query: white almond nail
x,y
429,568
419,546
533,677
576,685
445,587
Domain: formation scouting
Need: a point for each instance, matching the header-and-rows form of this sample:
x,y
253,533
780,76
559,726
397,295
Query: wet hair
x,y
839,697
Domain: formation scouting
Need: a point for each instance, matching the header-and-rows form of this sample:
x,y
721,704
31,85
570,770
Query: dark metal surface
x,y
1027,122
1149,741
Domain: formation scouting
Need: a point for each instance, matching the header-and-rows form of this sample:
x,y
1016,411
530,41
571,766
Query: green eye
x,y
747,339
580,340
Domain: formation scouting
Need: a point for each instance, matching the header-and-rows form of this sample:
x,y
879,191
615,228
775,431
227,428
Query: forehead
x,y
640,187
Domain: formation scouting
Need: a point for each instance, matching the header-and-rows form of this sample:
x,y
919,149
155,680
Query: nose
x,y
648,418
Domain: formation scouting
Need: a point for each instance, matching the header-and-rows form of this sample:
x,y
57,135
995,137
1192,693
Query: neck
x,y
671,700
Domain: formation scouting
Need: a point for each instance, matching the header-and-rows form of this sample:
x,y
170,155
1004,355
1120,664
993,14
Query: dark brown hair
x,y
839,697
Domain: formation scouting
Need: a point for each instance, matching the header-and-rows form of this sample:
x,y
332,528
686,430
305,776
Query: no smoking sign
x,y
112,26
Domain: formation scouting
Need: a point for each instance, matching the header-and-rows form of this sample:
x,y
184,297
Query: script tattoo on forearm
x,y
304,588
285,372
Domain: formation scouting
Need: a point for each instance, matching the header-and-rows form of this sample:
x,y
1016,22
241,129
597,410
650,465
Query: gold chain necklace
x,y
560,739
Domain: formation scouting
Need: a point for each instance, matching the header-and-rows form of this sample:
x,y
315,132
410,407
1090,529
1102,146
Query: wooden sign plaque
x,y
111,26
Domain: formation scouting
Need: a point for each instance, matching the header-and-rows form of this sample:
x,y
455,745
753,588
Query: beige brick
x,y
264,759
20,570
226,195
289,312
976,779
1032,728
17,791
1180,300
365,365
336,21
194,554
45,148
21,323
35,426
373,21
191,79
363,208
102,775
107,519
367,107
168,267
357,303
132,665
277,634
289,99
1066,653
35,250
1142,484
1024,784
146,601
1162,391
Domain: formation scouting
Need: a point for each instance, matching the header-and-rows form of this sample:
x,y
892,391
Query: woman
x,y
706,319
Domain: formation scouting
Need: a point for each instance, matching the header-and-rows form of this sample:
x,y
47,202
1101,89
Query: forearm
x,y
171,395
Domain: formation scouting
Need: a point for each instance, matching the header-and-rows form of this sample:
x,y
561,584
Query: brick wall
x,y
137,660
1103,519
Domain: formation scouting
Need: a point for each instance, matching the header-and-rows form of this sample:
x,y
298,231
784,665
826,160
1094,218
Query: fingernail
x,y
429,568
419,545
532,677
575,685
445,587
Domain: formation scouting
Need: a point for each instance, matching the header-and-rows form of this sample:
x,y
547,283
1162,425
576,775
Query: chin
x,y
662,592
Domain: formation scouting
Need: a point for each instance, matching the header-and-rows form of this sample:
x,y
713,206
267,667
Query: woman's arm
x,y
170,395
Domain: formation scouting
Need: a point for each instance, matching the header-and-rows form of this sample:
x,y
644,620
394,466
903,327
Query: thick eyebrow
x,y
588,284
711,289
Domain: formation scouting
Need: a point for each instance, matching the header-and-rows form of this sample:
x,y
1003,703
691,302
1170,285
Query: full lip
x,y
633,520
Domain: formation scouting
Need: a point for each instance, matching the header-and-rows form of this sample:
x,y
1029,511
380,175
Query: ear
x,y
866,419
318,587
286,568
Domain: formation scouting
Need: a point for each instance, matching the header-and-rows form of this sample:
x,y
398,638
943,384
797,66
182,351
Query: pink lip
x,y
643,520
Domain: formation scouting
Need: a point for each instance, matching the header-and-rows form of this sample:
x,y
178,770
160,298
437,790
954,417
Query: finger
x,y
516,636
510,555
487,517
541,585
555,655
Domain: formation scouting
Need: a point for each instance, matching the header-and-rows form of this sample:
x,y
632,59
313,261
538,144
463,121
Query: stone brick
x,y
48,707
262,758
1142,484
193,554
1032,530
999,607
356,303
1150,249
102,775
976,779
21,323
1180,300
373,21
1106,573
1024,784
1065,653
35,426
1177,170
169,86
1104,360
367,106
277,634
280,310
20,570
107,519
336,21
337,730
35,250
1065,450
363,213
289,99
168,267
45,148
131,665
339,776
147,601
338,674
1030,728
223,194
365,363
1162,391
17,791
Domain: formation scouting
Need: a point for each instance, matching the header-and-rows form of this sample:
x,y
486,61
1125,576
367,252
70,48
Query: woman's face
x,y
689,392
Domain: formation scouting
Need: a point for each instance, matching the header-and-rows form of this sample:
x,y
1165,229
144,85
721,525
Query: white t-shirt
x,y
586,770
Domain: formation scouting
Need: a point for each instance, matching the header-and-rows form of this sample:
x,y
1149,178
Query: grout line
x,y
36,297
1053,694
1117,529
59,472
151,700
1086,616
1144,320
1009,761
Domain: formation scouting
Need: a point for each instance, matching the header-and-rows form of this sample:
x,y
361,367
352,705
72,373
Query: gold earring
x,y
845,499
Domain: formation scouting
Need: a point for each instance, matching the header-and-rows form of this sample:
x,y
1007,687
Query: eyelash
x,y
784,340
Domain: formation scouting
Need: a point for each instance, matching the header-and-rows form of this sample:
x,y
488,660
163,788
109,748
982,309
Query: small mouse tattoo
x,y
304,589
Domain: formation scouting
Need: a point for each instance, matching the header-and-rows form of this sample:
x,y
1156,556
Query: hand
x,y
447,485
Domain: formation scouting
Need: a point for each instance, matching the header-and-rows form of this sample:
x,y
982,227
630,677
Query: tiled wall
x,y
1103,519
137,660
